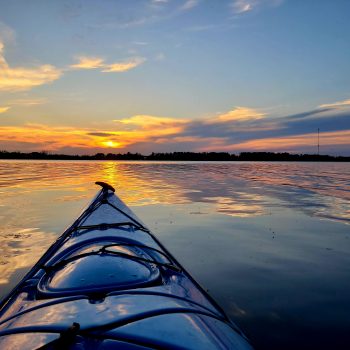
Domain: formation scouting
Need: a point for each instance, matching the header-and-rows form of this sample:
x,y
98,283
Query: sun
x,y
111,144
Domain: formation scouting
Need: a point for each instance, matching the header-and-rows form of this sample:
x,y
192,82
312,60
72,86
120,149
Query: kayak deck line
x,y
108,274
132,292
111,325
105,188
103,227
103,250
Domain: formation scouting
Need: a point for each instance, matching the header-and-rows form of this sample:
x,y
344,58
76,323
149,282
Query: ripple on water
x,y
269,239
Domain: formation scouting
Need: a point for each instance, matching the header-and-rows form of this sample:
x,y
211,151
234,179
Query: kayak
x,y
108,283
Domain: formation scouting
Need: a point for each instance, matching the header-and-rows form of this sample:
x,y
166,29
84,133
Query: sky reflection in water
x,y
269,240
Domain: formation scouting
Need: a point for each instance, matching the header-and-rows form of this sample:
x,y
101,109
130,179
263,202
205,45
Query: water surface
x,y
270,241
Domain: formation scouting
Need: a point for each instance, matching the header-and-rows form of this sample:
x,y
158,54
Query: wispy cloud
x,y
160,56
241,6
207,27
20,78
140,43
189,4
123,66
27,102
88,63
339,104
7,34
146,13
156,125
85,62
4,109
239,114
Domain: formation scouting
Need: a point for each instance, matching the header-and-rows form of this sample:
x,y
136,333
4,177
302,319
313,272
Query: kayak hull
x,y
107,283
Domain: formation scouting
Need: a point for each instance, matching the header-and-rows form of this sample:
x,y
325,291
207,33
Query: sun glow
x,y
111,144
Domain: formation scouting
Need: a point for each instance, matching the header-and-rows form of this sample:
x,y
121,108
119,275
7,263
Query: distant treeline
x,y
181,156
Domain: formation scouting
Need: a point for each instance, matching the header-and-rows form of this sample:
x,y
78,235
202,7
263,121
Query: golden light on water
x,y
19,246
46,197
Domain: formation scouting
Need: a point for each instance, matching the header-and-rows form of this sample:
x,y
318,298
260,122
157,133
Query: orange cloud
x,y
238,114
123,66
163,125
85,62
4,109
144,129
88,63
52,137
19,78
216,134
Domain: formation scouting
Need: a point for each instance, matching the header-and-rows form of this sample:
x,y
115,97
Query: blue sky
x,y
168,75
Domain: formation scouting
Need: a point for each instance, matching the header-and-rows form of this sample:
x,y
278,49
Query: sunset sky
x,y
80,77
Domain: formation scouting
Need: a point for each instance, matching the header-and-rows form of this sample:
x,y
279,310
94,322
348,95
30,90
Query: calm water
x,y
270,241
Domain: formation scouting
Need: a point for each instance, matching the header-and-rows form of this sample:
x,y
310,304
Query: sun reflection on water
x,y
39,198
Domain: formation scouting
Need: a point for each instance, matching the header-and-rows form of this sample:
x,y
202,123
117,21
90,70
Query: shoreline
x,y
179,156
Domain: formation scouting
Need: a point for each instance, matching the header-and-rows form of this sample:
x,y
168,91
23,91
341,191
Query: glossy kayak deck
x,y
108,283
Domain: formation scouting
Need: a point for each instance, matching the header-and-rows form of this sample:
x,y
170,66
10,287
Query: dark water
x,y
270,241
